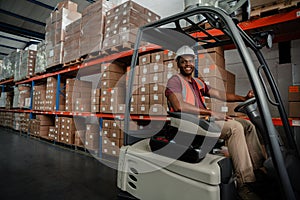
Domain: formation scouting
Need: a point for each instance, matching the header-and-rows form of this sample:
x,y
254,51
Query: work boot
x,y
245,193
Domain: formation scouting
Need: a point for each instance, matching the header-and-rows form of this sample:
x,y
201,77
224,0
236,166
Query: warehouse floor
x,y
35,169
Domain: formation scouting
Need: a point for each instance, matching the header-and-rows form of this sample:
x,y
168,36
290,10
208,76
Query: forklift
x,y
178,161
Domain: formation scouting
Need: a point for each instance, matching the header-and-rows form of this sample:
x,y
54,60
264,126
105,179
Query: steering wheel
x,y
242,106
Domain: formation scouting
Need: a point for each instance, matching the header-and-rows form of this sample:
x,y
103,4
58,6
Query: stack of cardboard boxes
x,y
56,24
95,100
152,73
41,59
122,23
112,136
78,95
92,28
112,86
21,96
39,97
92,134
212,71
71,44
294,101
51,88
65,128
27,64
9,64
24,121
40,126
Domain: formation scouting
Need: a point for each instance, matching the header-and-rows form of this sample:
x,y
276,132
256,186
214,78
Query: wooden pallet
x,y
54,68
118,48
93,55
263,10
74,62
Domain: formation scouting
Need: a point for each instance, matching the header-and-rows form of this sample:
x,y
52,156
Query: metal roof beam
x,y
3,54
21,31
14,39
22,17
8,47
41,4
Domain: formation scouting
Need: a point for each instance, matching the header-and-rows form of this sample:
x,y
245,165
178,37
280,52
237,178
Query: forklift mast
x,y
205,27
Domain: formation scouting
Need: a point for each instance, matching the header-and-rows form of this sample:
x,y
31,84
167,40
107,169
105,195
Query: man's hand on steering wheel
x,y
249,95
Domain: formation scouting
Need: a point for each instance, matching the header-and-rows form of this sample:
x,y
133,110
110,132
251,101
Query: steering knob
x,y
242,107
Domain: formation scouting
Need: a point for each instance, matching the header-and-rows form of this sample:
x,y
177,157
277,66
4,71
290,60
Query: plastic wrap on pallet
x,y
92,28
2,99
39,97
41,60
71,45
26,67
55,31
9,64
6,100
1,67
21,95
122,23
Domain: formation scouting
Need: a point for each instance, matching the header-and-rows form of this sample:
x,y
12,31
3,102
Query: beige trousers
x,y
243,147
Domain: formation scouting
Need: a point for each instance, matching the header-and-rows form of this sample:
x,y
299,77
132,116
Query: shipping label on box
x,y
157,57
156,67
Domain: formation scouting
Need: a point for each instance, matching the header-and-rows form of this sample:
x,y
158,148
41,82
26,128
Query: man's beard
x,y
184,73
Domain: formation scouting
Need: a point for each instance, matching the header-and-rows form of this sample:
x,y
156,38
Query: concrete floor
x,y
35,169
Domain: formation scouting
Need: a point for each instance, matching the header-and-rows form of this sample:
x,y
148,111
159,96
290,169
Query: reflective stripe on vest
x,y
188,94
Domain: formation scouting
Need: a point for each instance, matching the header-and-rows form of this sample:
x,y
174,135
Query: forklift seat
x,y
188,138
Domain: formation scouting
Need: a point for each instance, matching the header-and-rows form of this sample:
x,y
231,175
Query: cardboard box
x,y
79,138
95,108
144,69
169,55
215,82
212,58
111,142
68,5
144,59
157,88
294,109
157,99
157,57
108,84
144,79
143,109
212,71
156,78
106,124
170,65
156,67
294,93
218,107
114,133
158,109
112,151
218,50
143,99
168,75
113,67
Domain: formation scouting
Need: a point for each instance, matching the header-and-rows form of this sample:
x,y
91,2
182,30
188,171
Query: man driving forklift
x,y
186,94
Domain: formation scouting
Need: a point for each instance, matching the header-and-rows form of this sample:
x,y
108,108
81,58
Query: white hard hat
x,y
184,50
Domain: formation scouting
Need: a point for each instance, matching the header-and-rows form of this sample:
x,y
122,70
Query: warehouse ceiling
x,y
22,22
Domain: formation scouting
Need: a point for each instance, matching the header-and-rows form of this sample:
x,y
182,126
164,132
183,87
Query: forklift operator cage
x,y
207,27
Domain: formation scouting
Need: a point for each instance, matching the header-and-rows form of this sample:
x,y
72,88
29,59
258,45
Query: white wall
x,y
162,8
282,73
295,54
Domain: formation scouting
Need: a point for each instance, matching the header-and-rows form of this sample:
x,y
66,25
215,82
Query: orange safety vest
x,y
188,93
